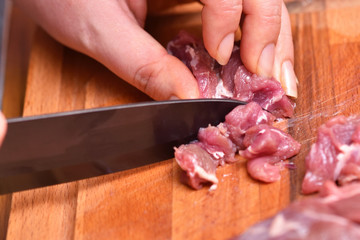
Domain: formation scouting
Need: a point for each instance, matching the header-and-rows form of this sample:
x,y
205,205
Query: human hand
x,y
112,33
266,46
3,127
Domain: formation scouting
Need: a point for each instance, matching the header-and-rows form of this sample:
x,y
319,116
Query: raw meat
x,y
265,169
264,140
205,69
197,163
266,147
335,215
232,80
242,118
219,144
336,154
216,142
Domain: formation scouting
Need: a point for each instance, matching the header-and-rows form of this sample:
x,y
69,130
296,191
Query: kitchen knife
x,y
57,148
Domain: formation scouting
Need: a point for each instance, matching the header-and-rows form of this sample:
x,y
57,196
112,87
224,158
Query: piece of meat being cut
x,y
335,155
335,215
230,81
216,142
246,129
197,163
266,147
240,119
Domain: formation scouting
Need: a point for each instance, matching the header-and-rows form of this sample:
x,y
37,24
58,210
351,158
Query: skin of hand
x,y
3,127
112,33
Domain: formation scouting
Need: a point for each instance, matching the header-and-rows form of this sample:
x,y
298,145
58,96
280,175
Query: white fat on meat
x,y
221,91
204,175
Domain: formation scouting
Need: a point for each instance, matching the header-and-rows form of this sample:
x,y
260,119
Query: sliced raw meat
x,y
229,70
267,92
328,217
232,80
266,146
205,69
335,155
216,142
244,117
265,169
264,140
197,163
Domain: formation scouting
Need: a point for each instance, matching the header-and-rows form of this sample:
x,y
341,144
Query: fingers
x,y
266,44
110,33
261,28
3,127
220,21
284,57
130,52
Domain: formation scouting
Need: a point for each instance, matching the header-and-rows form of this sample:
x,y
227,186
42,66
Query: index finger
x,y
260,31
220,21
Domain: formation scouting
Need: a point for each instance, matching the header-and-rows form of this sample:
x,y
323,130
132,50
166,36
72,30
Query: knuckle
x,y
232,7
272,13
270,20
145,76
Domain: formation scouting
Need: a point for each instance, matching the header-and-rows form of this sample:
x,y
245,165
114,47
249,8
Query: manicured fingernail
x,y
266,61
225,48
289,79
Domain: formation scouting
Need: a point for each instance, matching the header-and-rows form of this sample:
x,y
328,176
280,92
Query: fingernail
x,y
225,48
289,79
266,61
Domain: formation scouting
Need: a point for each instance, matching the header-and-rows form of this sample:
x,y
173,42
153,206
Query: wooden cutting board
x,y
150,202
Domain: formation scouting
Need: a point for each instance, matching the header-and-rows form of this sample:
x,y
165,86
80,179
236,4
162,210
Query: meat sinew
x,y
336,154
232,80
247,129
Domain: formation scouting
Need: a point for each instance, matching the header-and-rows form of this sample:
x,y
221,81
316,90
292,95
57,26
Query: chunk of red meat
x,y
232,80
264,140
197,163
243,85
265,169
193,53
244,117
349,161
266,146
343,201
329,217
356,136
246,126
267,92
229,70
335,155
216,142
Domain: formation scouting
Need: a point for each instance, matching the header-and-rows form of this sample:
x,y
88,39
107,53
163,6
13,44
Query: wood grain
x,y
151,202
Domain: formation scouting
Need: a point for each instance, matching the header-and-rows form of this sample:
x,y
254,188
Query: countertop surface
x,y
150,202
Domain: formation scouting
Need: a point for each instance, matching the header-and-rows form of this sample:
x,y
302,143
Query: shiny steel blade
x,y
57,148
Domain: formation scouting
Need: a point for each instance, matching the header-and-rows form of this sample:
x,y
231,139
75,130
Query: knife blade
x,y
57,148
